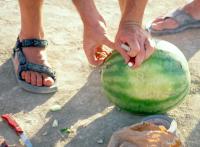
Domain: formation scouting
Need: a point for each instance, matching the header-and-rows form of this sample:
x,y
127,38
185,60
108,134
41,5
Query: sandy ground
x,y
84,106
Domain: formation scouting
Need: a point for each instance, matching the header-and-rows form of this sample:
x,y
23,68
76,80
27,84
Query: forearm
x,y
88,11
132,11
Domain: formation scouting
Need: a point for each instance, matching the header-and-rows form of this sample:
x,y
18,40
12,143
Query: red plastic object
x,y
11,122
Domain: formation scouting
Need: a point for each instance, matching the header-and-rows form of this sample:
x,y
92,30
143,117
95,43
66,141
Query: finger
x,y
150,48
98,55
101,54
90,54
95,61
135,48
91,59
140,57
122,52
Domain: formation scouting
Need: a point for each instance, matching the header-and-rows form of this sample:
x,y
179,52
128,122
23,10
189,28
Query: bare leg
x,y
32,27
192,8
95,35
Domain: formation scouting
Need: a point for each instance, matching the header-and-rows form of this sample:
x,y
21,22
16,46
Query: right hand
x,y
137,39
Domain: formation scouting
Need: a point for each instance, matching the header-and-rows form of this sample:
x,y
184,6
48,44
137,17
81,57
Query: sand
x,y
85,108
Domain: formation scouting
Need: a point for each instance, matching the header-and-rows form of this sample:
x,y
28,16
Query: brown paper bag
x,y
144,135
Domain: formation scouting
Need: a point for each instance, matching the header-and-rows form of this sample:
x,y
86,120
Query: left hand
x,y
95,36
141,47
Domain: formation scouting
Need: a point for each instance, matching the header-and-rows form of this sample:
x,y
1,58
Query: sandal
x,y
185,21
24,65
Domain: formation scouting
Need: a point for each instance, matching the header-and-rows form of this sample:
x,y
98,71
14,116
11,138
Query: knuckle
x,y
131,54
136,49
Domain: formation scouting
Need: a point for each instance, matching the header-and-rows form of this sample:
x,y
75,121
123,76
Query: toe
x,y
23,74
28,77
164,24
39,79
170,24
158,19
33,78
47,81
157,26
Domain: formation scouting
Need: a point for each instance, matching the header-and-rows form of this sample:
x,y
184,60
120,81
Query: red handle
x,y
8,118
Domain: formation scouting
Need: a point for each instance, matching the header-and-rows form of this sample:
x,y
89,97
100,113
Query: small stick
x,y
125,47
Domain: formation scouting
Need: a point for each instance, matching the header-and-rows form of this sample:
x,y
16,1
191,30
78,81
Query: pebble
x,y
118,109
55,123
188,116
100,141
44,134
55,108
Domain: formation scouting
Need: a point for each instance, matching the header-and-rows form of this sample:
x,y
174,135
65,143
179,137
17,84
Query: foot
x,y
37,56
169,23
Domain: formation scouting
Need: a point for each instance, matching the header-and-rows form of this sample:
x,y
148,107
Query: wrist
x,y
129,23
93,21
132,12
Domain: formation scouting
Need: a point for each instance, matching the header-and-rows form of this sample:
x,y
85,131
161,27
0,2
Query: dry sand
x,y
84,106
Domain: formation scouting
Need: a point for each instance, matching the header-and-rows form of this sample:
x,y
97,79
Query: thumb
x,y
122,52
112,45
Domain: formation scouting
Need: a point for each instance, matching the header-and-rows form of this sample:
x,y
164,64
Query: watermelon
x,y
158,85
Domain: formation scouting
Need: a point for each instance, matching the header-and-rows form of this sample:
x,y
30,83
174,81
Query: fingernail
x,y
130,64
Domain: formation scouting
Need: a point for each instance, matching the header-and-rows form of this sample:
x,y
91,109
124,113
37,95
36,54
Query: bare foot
x,y
192,8
37,56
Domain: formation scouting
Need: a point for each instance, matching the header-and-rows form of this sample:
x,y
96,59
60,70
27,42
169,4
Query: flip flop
x,y
24,65
185,21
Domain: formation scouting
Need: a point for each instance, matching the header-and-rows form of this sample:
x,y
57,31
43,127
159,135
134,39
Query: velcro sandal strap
x,y
21,57
37,68
34,43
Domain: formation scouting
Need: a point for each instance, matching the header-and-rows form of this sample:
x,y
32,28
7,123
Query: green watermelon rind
x,y
117,81
145,106
135,105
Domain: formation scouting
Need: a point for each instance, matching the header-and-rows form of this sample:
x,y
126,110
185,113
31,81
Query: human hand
x,y
132,35
94,38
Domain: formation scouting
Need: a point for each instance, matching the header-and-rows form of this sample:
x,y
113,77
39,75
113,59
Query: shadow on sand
x,y
193,139
13,99
90,113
